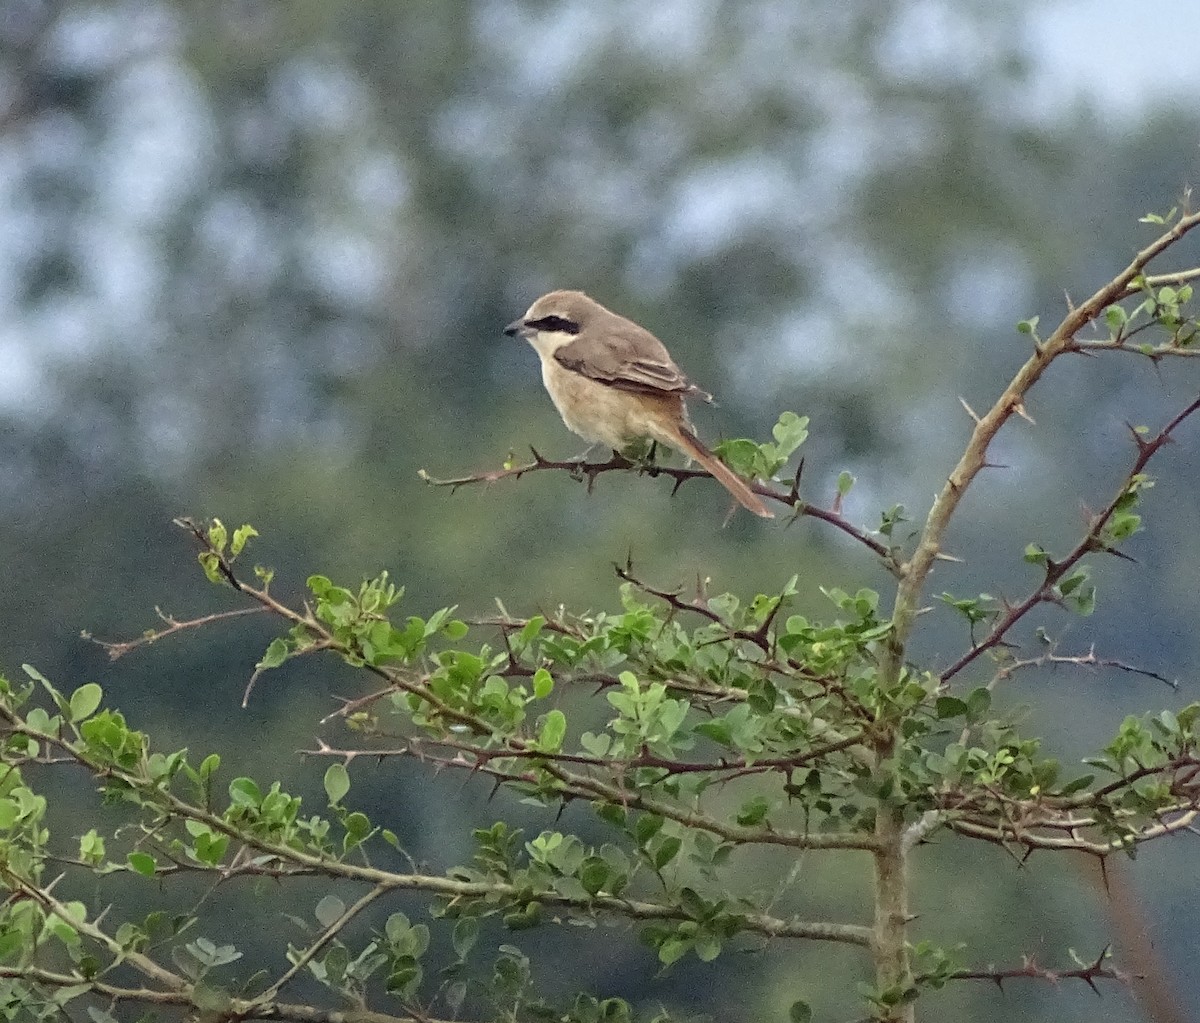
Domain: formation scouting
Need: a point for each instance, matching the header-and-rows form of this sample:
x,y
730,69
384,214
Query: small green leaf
x,y
85,700
218,535
329,910
844,482
142,862
276,653
455,630
244,792
240,536
978,703
466,933
667,851
672,950
554,730
1035,554
790,432
754,811
543,683
337,783
212,567
950,707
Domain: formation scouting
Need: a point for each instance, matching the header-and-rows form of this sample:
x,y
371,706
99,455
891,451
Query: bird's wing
x,y
628,358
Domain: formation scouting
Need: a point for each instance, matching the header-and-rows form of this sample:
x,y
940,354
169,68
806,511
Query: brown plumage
x,y
613,382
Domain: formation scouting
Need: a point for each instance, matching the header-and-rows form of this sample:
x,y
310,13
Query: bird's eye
x,y
554,325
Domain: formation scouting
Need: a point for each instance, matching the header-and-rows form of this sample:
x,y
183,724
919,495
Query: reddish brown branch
x,y
618,463
1030,970
116,650
1090,543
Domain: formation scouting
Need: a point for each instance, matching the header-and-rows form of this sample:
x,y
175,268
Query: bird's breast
x,y
601,414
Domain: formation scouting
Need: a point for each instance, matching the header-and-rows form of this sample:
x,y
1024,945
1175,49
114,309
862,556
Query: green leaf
x,y
466,933
790,432
753,812
244,792
210,999
672,950
212,567
1035,554
844,482
276,653
218,535
667,851
554,730
455,630
142,862
593,874
978,704
329,910
950,707
85,700
337,783
543,683
240,536
596,745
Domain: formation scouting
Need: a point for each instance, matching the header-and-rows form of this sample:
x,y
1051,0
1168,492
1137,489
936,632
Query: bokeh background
x,y
255,257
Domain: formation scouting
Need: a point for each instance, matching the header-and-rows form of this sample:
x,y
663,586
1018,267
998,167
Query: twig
x,y
590,470
1090,543
916,570
120,649
1030,970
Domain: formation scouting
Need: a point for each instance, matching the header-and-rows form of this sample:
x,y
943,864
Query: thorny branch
x,y
1031,970
915,571
619,463
1090,543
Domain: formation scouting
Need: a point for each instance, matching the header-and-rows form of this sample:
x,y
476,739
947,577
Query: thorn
x,y
794,493
1019,409
995,465
970,411
1138,439
942,556
1119,554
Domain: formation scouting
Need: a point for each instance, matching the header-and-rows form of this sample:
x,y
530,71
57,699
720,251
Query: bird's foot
x,y
579,461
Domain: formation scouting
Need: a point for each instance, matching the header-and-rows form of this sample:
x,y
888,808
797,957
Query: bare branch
x,y
116,650
1031,970
916,570
1090,543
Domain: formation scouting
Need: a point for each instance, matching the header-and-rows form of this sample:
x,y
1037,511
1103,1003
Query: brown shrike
x,y
614,382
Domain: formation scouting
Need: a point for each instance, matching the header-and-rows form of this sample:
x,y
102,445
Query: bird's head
x,y
555,319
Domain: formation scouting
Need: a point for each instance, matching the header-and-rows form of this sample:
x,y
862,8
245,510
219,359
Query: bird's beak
x,y
518,329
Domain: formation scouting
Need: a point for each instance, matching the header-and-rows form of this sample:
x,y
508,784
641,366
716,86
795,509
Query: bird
x,y
615,383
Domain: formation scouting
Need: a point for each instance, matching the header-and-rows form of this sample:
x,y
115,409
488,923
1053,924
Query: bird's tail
x,y
691,445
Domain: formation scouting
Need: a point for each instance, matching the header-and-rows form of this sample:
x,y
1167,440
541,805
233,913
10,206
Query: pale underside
x,y
603,414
